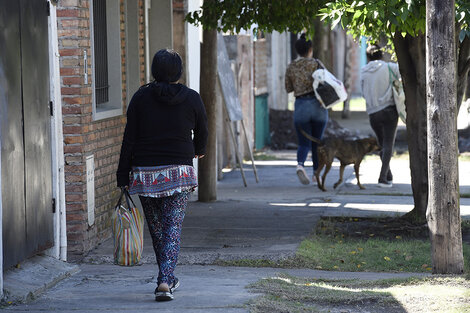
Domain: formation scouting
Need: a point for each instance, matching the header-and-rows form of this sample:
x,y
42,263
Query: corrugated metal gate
x,y
25,129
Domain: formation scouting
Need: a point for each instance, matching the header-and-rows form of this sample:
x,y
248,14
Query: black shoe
x,y
163,296
175,285
167,295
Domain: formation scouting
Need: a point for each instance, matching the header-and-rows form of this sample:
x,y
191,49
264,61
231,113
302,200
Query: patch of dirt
x,y
383,228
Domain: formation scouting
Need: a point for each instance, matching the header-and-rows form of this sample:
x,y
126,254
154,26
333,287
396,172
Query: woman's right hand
x,y
199,156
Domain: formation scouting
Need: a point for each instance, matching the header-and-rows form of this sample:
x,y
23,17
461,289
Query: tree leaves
x,y
372,18
265,15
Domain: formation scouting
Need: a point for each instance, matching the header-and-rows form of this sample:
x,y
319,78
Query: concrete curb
x,y
34,277
200,258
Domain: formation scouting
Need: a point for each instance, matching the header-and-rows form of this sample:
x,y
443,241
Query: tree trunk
x,y
207,169
467,91
411,55
346,113
321,43
443,213
463,66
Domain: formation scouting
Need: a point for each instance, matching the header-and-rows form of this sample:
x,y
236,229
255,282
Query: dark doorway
x,y
25,130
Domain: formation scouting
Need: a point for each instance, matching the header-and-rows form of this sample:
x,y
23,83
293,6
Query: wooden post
x,y
250,151
237,150
207,168
443,212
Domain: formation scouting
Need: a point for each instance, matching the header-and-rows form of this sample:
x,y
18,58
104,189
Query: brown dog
x,y
347,151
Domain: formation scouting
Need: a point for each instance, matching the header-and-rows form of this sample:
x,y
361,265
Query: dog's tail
x,y
310,137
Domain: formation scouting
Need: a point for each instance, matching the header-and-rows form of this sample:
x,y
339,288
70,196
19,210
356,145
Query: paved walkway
x,y
264,220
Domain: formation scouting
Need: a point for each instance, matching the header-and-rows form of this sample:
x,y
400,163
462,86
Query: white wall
x,y
160,28
193,55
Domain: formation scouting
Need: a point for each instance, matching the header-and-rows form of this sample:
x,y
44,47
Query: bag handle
x,y
322,66
129,200
391,73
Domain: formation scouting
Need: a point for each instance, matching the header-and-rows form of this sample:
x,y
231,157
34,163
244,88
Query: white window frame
x,y
114,105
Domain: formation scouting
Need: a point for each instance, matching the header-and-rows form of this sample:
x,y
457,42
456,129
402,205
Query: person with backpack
x,y
376,86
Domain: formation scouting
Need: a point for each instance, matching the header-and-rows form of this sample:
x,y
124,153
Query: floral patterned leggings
x,y
164,218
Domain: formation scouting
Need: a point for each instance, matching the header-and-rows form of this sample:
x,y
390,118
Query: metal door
x,y
25,130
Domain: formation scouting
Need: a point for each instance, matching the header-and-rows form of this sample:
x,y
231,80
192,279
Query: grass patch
x,y
355,104
262,156
362,244
464,157
381,244
285,293
374,254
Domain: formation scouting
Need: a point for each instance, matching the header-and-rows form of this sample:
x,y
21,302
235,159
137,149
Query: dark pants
x,y
165,218
384,123
310,116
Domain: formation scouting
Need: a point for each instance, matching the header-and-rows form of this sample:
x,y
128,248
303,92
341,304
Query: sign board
x,y
227,82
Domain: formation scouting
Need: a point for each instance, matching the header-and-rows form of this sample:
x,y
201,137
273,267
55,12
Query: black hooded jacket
x,y
160,120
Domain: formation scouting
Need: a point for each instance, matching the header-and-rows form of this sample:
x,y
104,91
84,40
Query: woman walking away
x,y
309,114
157,155
376,85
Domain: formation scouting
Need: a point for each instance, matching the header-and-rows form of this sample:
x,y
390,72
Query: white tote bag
x,y
398,94
328,89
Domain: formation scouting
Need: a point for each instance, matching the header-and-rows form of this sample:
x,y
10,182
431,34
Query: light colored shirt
x,y
376,84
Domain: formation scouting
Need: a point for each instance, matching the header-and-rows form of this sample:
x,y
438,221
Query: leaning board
x,y
227,82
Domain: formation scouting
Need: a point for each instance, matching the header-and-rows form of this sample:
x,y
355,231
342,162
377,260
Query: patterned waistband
x,y
162,181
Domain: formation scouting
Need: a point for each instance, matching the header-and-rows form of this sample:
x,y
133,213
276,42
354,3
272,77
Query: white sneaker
x,y
385,185
302,175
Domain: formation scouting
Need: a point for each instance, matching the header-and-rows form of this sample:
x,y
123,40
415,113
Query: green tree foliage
x,y
376,19
235,15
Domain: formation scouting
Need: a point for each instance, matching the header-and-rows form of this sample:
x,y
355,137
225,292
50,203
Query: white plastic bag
x,y
328,89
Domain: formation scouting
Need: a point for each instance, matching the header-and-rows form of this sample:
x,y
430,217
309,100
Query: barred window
x,y
100,51
106,58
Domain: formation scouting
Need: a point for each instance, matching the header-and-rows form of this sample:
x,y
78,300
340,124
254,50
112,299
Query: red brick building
x,y
104,51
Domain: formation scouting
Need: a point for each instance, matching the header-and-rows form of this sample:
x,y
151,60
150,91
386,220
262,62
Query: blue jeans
x,y
310,116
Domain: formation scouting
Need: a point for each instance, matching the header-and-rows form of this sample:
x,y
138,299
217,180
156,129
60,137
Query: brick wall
x,y
82,135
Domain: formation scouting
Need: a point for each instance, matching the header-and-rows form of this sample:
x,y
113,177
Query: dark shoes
x,y
166,293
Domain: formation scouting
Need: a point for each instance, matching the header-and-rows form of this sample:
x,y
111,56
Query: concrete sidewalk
x,y
265,220
211,289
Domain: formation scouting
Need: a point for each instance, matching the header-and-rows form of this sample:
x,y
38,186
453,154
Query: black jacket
x,y
160,121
